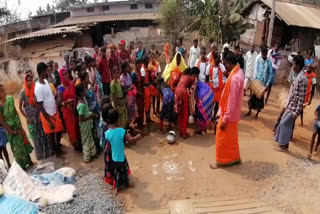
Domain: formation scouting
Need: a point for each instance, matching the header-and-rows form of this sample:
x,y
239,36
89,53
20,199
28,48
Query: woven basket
x,y
282,98
257,88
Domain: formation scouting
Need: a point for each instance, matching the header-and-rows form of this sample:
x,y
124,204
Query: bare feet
x,y
199,132
309,155
214,166
186,136
280,149
247,114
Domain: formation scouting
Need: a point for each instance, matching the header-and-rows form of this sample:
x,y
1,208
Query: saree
x,y
137,81
88,144
43,148
132,104
119,102
227,147
95,108
169,67
167,111
19,144
67,95
309,87
204,106
166,50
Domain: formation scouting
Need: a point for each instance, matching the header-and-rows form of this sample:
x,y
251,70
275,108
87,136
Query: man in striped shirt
x,y
294,107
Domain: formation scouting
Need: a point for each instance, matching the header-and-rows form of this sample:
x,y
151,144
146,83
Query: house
x,y
108,18
295,28
88,25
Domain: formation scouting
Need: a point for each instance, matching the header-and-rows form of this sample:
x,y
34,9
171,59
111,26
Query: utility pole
x,y
271,23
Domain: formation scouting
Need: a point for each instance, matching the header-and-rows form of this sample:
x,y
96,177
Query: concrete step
x,y
213,205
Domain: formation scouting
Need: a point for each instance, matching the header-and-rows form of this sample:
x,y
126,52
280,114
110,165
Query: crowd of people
x,y
103,101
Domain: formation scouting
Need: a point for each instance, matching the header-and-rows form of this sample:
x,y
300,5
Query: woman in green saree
x,y
10,121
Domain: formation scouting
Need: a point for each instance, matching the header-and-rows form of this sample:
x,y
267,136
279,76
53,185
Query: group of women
x,y
135,89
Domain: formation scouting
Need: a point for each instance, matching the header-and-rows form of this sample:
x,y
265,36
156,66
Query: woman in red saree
x,y
181,96
67,100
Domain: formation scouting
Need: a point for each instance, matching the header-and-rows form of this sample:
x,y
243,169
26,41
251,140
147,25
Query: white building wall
x,y
114,9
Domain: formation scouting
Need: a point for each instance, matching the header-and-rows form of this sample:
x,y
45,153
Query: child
x,y
316,131
116,166
167,111
86,124
104,127
3,149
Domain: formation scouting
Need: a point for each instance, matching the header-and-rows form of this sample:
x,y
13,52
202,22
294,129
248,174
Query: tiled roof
x,y
107,18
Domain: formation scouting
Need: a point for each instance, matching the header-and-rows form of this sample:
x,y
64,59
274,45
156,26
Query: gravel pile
x,y
93,196
295,189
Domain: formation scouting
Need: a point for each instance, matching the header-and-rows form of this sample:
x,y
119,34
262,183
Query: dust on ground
x,y
162,172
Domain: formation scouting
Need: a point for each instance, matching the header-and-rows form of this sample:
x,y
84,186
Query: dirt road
x,y
163,172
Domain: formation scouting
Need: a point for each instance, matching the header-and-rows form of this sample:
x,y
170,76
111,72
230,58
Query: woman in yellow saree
x,y
174,69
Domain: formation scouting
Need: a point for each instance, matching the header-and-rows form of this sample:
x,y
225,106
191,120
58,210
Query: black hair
x,y
124,65
83,75
195,71
41,67
264,50
105,99
113,116
216,56
299,60
103,49
105,112
187,71
79,89
230,57
146,59
88,59
139,61
237,47
195,40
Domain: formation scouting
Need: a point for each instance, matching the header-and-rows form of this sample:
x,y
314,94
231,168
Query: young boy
x,y
316,131
202,63
116,166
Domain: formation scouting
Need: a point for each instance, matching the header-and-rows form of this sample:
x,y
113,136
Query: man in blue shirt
x,y
263,73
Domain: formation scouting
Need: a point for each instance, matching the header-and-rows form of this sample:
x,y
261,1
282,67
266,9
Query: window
x,y
134,6
104,8
148,6
90,9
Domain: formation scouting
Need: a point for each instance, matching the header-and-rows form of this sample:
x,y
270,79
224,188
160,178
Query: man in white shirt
x,y
49,115
250,67
202,63
194,54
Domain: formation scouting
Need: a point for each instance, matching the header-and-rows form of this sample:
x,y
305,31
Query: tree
x,y
63,5
219,19
172,17
7,16
49,9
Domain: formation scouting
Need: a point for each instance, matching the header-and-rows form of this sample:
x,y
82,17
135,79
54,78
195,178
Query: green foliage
x,y
222,27
172,17
7,16
64,5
